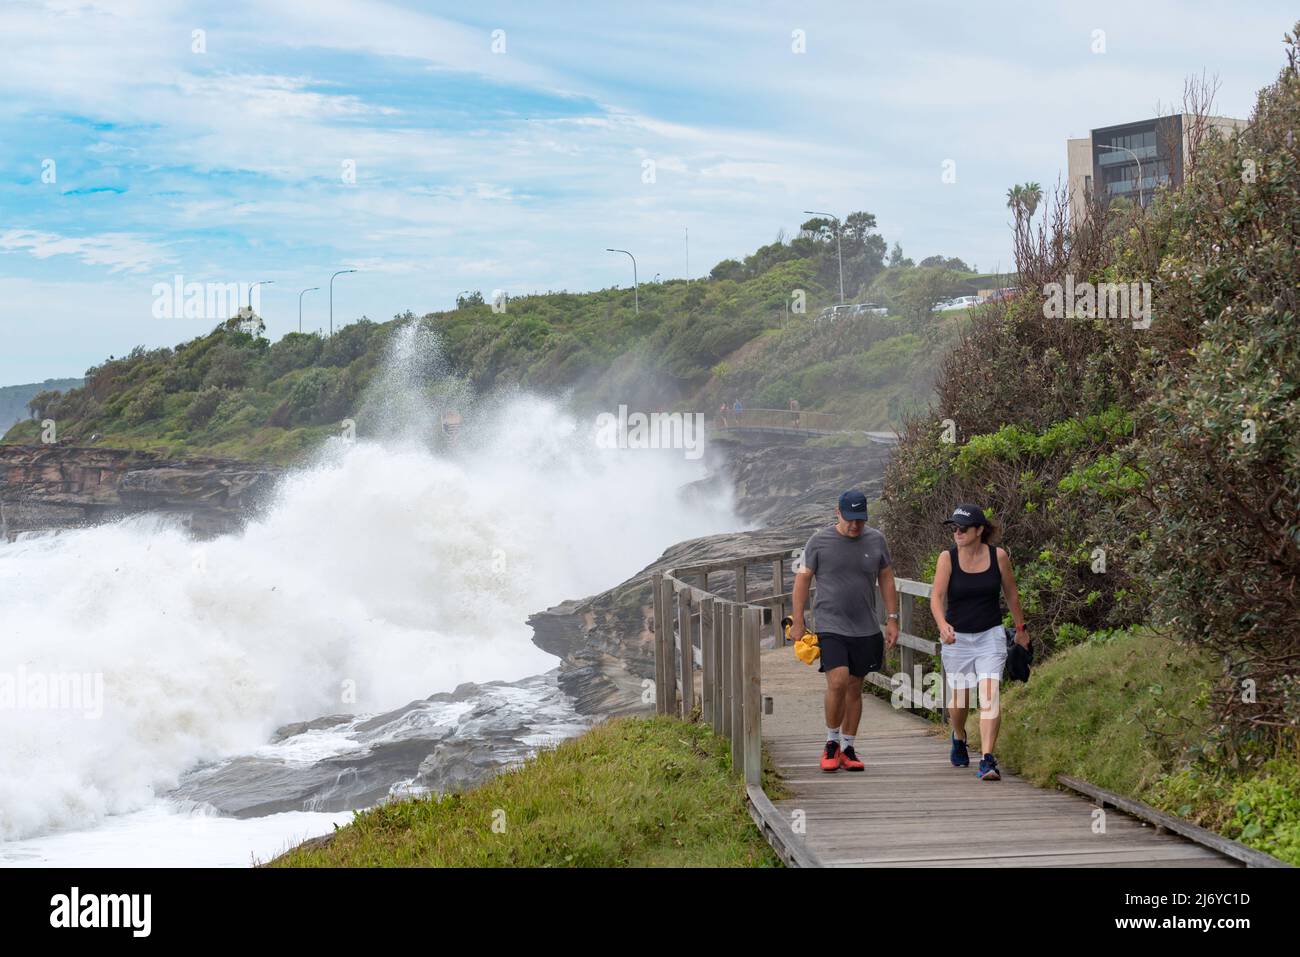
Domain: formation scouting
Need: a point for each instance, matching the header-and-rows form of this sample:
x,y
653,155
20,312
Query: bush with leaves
x,y
1221,440
203,406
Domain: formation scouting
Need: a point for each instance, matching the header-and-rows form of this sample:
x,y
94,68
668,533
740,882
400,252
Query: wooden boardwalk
x,y
911,808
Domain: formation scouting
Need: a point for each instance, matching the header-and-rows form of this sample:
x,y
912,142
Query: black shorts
x,y
860,654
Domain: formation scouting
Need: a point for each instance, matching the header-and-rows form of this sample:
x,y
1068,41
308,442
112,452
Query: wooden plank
x,y
1247,855
720,663
907,640
778,608
737,691
670,667
910,587
774,826
686,647
724,673
707,663
906,652
656,605
752,692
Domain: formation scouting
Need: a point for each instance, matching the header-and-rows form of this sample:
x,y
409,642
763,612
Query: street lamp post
x,y
260,282
312,289
339,273
636,294
838,253
1136,158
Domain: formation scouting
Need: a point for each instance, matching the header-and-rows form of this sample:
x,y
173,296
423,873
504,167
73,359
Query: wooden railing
x,y
729,634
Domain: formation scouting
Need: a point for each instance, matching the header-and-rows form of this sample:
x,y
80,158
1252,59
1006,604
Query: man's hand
x,y
891,633
1022,637
797,630
947,633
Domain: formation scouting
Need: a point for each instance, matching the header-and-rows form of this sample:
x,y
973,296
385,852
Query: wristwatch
x,y
892,615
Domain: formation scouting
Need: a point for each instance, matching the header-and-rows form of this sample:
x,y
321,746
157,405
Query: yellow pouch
x,y
805,649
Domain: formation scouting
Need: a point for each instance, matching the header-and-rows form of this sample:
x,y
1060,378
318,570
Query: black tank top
x,y
973,599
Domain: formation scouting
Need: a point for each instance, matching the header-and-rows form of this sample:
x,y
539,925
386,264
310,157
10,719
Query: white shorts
x,y
973,657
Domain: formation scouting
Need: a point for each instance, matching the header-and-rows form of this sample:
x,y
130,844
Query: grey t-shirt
x,y
846,570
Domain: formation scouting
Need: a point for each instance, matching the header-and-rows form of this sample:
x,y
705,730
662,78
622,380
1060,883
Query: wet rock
x,y
46,487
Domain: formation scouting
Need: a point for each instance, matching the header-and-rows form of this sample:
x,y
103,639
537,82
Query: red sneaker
x,y
849,760
831,757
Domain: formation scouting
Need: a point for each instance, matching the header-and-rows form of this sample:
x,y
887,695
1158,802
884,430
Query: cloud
x,y
119,252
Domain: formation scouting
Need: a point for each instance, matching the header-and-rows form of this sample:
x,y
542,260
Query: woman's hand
x,y
947,634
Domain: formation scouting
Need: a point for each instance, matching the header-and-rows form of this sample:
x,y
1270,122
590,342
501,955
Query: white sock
x,y
847,740
832,734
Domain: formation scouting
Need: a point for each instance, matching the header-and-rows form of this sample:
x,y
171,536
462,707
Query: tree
x,y
1031,197
1016,203
727,269
1023,201
896,258
940,263
39,404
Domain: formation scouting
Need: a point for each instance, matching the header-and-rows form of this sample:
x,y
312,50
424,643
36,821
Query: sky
x,y
442,147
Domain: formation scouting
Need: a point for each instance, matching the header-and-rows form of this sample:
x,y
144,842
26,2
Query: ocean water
x,y
386,571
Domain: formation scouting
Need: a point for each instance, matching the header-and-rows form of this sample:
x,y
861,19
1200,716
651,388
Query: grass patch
x,y
1117,713
631,792
1131,713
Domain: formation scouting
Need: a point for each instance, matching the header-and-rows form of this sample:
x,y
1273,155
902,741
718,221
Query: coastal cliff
x,y
47,487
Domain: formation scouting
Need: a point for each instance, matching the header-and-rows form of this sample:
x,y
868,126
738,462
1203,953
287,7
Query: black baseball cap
x,y
853,507
966,515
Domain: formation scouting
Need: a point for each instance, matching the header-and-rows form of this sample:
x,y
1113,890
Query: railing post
x,y
778,610
741,589
723,612
906,656
737,690
753,743
715,613
656,606
687,652
670,666
709,664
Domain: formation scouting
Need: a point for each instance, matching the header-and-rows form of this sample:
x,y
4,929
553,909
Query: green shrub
x,y
1223,418
203,406
145,404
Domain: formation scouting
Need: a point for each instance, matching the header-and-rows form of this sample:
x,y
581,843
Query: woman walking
x,y
964,601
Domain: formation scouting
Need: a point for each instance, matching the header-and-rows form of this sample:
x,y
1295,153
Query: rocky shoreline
x,y
45,487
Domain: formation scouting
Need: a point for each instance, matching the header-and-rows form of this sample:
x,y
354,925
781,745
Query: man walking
x,y
847,559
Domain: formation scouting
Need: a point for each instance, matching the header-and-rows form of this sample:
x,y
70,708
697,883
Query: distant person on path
x,y
735,407
847,559
794,409
964,601
722,416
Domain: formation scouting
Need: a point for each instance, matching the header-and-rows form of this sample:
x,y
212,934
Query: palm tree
x,y
1031,195
1016,199
1016,203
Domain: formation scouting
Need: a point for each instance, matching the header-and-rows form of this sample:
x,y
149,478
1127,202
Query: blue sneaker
x,y
989,769
959,756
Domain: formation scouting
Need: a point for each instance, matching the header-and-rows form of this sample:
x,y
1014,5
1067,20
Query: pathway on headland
x,y
911,808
